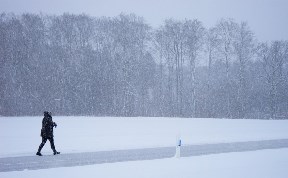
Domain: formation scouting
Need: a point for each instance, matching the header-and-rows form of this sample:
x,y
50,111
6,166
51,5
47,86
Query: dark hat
x,y
47,113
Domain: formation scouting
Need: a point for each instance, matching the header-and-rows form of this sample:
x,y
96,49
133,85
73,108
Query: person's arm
x,y
52,123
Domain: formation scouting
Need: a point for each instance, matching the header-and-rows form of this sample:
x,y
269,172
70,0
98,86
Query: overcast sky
x,y
268,19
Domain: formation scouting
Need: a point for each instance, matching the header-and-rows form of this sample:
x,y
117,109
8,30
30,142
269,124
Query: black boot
x,y
38,153
56,152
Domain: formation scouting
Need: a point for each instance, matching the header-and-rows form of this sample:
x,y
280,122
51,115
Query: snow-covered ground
x,y
256,164
21,136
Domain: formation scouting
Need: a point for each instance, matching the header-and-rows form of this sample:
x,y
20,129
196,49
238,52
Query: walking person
x,y
47,132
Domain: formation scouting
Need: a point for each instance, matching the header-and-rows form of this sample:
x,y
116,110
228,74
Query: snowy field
x,y
20,136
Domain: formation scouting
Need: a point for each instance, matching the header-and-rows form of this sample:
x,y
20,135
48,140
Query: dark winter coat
x,y
47,127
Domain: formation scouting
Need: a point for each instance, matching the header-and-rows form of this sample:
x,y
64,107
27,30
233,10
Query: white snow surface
x,y
20,136
256,164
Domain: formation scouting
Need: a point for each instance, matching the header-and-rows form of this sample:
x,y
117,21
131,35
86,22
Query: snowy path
x,y
81,159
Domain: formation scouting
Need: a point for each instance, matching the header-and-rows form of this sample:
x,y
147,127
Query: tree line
x,y
120,66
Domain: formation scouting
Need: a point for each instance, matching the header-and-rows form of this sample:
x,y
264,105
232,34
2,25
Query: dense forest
x,y
120,66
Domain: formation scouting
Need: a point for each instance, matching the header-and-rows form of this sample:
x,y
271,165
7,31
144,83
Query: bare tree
x,y
211,44
130,35
244,51
226,35
194,39
171,40
273,57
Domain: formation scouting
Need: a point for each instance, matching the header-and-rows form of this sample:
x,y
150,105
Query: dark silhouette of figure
x,y
47,132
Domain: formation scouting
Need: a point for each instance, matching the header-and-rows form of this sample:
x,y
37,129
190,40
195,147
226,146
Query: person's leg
x,y
41,146
53,146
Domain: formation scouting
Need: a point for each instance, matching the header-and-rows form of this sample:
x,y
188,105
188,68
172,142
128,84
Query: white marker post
x,y
178,147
